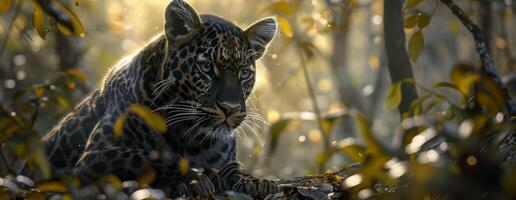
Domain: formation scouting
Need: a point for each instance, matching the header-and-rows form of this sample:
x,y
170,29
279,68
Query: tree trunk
x,y
398,61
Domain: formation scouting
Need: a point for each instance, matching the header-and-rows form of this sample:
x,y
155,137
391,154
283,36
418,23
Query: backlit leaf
x,y
75,73
412,3
416,43
285,27
464,76
5,5
152,119
38,20
52,186
393,99
118,128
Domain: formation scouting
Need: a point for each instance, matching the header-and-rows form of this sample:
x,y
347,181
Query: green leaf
x,y
393,99
432,104
152,119
412,3
416,43
351,150
415,106
444,85
276,129
411,21
5,5
40,158
373,145
38,19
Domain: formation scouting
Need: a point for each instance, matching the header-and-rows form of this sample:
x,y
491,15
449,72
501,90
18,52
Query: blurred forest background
x,y
329,86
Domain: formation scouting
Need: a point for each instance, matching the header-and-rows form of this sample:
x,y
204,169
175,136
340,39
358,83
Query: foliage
x,y
455,142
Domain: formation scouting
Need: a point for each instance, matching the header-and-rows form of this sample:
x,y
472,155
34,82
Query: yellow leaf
x,y
52,186
393,99
114,181
39,91
75,73
285,26
423,20
5,5
38,20
153,120
464,76
34,195
184,166
411,21
118,128
63,29
147,177
412,3
78,28
67,197
416,43
282,7
490,95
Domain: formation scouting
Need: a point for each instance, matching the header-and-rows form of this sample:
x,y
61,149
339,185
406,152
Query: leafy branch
x,y
488,67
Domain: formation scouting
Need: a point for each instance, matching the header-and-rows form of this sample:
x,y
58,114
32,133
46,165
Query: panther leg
x,y
127,164
233,177
190,185
124,163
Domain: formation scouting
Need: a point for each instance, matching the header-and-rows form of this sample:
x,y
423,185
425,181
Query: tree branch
x,y
488,67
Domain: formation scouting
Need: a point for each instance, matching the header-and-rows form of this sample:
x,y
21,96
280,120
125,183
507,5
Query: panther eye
x,y
205,67
245,73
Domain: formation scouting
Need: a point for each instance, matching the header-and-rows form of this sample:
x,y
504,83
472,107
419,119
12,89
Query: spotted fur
x,y
197,75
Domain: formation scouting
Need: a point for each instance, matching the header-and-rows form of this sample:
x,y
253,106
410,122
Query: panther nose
x,y
229,107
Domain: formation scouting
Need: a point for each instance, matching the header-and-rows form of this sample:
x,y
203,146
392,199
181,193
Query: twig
x,y
315,106
488,67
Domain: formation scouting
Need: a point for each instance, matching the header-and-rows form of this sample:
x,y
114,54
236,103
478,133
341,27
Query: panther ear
x,y
181,23
260,34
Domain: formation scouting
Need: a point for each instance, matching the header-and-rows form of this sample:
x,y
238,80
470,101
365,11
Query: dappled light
x,y
270,99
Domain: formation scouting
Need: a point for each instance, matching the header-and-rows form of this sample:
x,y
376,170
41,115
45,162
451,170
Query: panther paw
x,y
258,188
201,187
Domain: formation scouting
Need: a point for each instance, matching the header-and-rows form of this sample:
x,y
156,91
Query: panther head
x,y
210,69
